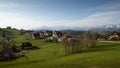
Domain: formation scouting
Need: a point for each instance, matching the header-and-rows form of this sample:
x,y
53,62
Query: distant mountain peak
x,y
109,27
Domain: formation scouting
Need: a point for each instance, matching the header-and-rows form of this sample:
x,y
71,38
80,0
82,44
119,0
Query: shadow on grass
x,y
8,63
32,48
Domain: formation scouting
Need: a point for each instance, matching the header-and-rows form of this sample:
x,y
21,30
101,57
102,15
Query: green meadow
x,y
52,55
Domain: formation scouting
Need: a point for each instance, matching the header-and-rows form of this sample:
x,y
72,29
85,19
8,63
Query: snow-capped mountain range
x,y
77,28
109,27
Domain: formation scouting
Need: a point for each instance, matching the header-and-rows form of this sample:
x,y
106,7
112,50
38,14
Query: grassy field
x,y
52,55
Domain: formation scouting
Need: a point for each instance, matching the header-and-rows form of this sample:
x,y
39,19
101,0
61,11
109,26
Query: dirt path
x,y
111,41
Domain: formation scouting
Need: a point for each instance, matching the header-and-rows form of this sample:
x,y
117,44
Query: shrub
x,y
77,45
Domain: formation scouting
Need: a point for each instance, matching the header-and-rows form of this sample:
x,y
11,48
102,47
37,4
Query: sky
x,y
27,14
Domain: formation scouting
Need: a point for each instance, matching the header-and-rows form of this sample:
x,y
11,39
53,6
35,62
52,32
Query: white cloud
x,y
17,20
99,19
115,4
93,20
11,5
107,14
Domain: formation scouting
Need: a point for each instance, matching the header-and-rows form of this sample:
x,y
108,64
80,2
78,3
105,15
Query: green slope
x,y
52,55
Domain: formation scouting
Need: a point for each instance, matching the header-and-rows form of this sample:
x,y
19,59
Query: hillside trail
x,y
111,41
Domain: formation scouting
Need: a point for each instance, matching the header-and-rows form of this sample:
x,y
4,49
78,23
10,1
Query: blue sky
x,y
35,13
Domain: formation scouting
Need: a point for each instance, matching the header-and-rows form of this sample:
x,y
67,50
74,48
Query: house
x,y
9,28
35,35
58,35
114,36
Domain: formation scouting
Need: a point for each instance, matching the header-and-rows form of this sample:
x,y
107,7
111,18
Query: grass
x,y
52,55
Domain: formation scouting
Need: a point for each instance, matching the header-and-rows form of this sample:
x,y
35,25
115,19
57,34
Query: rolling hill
x,y
52,55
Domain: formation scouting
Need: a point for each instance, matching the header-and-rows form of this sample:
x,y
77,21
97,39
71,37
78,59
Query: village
x,y
9,49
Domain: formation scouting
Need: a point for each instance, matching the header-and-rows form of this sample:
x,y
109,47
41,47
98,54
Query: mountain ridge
x,y
109,27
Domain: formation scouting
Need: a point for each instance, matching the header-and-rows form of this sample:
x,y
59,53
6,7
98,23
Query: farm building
x,y
114,36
